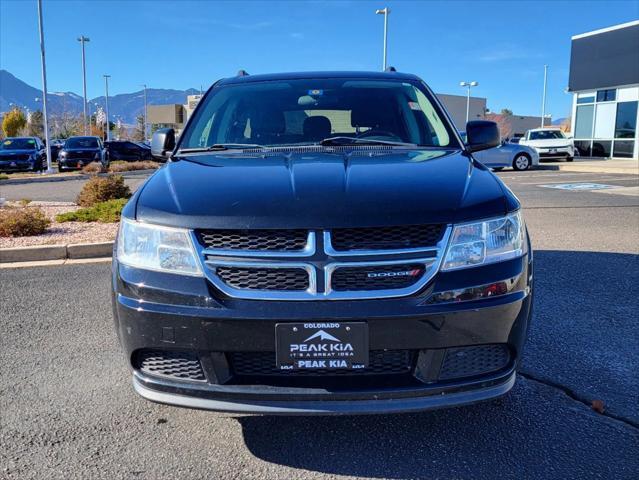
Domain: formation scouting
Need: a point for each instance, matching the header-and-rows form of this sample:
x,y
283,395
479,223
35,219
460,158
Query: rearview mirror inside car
x,y
482,135
163,143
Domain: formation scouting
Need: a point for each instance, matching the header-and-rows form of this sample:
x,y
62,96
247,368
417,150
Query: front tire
x,y
521,162
570,159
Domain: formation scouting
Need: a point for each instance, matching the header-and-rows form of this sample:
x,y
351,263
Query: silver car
x,y
519,157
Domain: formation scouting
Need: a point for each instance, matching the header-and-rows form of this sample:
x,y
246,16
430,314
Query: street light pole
x,y
384,11
44,90
144,85
543,100
82,39
468,85
106,102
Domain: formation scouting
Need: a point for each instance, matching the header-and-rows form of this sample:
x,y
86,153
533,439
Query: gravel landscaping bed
x,y
62,233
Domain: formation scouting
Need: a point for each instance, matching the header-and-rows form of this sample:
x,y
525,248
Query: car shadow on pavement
x,y
536,430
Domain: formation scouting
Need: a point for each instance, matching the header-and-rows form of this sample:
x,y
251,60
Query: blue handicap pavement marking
x,y
578,186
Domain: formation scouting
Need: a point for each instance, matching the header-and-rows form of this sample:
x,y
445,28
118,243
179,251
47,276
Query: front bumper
x,y
165,312
555,152
20,166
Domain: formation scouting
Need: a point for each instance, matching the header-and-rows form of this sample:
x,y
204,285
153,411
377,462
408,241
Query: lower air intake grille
x,y
470,361
254,240
381,362
386,277
386,238
254,278
180,365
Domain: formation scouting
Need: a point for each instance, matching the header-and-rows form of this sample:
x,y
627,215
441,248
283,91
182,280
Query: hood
x,y
319,190
549,142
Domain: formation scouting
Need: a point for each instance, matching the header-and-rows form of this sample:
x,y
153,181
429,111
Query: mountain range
x,y
127,106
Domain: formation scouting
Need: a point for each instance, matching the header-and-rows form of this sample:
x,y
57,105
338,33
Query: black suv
x,y
22,154
322,243
80,151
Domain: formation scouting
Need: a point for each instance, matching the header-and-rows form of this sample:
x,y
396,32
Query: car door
x,y
492,158
132,151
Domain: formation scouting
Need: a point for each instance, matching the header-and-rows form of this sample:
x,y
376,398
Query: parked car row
x,y
19,154
522,153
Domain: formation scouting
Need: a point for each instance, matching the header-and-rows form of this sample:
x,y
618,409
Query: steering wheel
x,y
379,133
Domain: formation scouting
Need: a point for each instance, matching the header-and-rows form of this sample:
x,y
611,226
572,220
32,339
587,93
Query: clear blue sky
x,y
178,44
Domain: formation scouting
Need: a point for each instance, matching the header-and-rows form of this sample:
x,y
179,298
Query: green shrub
x,y
101,189
4,177
22,222
103,212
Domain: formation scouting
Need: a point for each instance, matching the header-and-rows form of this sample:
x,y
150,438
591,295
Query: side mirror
x,y
482,135
163,143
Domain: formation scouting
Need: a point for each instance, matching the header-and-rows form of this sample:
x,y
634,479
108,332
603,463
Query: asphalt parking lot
x,y
67,408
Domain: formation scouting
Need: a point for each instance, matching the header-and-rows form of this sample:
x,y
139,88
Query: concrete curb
x,y
82,176
56,252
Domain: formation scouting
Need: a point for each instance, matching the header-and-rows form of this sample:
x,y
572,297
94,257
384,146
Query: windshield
x,y
305,112
18,144
81,142
546,135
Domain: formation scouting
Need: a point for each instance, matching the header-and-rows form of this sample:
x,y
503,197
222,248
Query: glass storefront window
x,y
586,99
605,120
583,147
583,125
601,148
626,124
624,148
606,95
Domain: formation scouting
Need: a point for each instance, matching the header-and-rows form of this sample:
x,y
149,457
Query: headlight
x,y
62,154
496,240
153,247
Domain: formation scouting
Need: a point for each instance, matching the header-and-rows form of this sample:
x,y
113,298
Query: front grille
x,y
180,365
469,361
15,158
386,277
81,155
386,238
381,362
254,240
258,278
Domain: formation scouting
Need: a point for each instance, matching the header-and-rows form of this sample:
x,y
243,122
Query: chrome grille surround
x,y
320,261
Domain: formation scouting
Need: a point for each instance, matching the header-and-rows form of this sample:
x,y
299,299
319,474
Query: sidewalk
x,y
591,165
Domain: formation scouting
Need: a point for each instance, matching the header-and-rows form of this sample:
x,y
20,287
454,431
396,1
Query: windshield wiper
x,y
220,147
343,141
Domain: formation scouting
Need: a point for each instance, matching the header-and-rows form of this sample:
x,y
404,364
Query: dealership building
x,y
604,81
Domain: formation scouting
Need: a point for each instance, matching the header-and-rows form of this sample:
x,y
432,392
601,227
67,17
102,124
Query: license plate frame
x,y
321,346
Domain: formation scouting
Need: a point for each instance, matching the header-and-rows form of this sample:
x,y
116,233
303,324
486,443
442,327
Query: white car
x,y
550,143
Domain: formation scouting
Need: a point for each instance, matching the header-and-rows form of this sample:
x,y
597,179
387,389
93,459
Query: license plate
x,y
321,345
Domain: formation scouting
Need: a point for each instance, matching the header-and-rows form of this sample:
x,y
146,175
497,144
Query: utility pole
x,y
82,39
384,11
144,85
44,90
106,102
543,100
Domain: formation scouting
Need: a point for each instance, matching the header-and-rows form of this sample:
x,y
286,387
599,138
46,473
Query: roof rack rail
x,y
390,69
242,73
